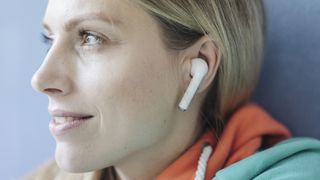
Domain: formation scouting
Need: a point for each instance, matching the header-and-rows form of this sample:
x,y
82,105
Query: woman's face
x,y
107,61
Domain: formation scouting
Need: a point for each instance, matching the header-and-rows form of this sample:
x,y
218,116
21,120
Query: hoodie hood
x,y
248,130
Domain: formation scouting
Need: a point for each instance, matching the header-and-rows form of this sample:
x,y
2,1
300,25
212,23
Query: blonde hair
x,y
237,29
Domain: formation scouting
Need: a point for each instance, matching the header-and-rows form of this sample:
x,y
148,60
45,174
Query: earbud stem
x,y
198,71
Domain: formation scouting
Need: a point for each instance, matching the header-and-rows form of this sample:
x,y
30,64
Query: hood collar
x,y
249,129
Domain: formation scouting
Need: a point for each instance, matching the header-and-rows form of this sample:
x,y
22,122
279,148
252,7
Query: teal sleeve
x,y
302,166
293,159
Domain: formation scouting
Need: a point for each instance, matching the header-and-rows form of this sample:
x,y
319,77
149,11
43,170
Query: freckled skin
x,y
129,84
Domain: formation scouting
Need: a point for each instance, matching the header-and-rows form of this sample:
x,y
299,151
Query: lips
x,y
64,121
61,117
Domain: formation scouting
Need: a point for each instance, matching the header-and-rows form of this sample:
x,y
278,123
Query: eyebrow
x,y
86,17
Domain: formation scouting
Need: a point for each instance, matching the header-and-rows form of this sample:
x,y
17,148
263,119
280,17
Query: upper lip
x,y
61,113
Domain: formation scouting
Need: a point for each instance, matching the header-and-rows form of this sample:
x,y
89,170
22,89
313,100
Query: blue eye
x,y
90,39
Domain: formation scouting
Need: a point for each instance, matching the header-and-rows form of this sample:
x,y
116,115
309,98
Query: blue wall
x,y
289,87
25,140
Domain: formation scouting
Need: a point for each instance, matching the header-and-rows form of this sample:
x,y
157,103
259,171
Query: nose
x,y
52,77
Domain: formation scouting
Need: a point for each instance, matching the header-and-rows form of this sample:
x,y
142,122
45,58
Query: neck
x,y
149,162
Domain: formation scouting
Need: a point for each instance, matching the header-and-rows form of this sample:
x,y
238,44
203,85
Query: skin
x,y
127,79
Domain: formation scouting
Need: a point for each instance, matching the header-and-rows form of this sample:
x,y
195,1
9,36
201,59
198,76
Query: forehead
x,y
68,7
111,10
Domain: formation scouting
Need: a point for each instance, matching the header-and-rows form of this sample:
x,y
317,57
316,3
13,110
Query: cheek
x,y
134,93
145,85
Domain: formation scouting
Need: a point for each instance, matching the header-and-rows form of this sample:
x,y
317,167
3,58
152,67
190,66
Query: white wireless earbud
x,y
198,70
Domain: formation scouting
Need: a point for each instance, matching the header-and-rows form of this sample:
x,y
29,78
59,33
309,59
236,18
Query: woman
x,y
116,76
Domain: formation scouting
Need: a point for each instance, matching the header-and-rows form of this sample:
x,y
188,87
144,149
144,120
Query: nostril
x,y
52,90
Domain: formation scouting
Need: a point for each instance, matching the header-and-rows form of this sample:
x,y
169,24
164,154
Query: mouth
x,y
68,119
64,121
69,115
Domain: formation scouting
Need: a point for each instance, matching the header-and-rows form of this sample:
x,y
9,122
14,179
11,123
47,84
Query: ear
x,y
205,49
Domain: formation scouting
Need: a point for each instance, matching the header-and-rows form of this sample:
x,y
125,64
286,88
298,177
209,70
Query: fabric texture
x,y
248,130
294,159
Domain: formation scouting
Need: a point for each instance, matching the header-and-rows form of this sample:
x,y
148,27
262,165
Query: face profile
x,y
110,82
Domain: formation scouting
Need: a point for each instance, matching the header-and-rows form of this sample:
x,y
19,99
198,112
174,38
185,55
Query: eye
x,y
46,40
90,39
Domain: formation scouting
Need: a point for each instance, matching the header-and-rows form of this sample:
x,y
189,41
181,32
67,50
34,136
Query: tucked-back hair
x,y
237,29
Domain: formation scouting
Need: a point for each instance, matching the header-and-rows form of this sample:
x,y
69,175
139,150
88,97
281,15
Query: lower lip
x,y
59,129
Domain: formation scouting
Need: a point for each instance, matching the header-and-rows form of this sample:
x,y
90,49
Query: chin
x,y
75,161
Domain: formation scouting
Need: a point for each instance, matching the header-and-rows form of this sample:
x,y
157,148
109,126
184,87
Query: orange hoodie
x,y
249,129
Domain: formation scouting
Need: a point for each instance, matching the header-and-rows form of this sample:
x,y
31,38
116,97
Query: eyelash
x,y
45,39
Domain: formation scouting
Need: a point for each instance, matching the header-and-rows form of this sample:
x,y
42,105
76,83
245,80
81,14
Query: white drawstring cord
x,y
202,163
